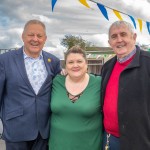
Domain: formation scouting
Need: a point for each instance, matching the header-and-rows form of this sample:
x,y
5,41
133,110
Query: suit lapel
x,y
47,61
21,67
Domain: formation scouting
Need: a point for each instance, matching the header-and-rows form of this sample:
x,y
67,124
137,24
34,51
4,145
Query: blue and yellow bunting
x,y
103,10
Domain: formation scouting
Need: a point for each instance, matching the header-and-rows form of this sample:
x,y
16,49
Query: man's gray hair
x,y
120,23
34,21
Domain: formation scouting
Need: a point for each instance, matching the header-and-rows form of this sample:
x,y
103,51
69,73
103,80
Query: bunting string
x,y
118,13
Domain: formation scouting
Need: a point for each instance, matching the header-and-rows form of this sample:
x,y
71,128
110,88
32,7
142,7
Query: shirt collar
x,y
26,56
122,60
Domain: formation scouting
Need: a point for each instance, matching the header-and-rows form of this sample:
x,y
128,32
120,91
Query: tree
x,y
69,40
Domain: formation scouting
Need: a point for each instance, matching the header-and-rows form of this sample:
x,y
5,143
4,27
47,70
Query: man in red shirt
x,y
125,92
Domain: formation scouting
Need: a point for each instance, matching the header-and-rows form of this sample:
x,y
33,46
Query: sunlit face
x,y
122,40
76,65
34,38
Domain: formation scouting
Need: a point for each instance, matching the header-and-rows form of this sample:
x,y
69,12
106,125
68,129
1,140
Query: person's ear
x,y
134,36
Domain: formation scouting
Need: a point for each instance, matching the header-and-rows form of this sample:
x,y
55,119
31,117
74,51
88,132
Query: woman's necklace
x,y
72,87
73,98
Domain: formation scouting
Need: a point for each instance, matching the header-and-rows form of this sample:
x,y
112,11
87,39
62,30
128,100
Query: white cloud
x,y
69,17
42,18
58,51
99,40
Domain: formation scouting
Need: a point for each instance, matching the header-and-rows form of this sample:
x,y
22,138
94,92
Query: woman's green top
x,y
78,125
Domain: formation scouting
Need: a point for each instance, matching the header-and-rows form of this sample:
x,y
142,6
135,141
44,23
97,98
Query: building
x,y
6,50
96,57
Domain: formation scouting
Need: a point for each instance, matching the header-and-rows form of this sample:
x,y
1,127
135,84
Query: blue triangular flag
x,y
103,10
148,26
53,3
133,21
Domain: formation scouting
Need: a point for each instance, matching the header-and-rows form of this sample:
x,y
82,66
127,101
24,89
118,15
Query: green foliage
x,y
69,40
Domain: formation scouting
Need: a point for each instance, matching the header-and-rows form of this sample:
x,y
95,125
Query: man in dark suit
x,y
25,89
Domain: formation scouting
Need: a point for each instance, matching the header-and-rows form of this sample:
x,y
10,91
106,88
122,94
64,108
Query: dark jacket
x,y
133,101
24,113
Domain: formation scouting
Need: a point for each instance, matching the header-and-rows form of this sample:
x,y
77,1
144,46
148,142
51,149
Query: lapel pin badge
x,y
49,60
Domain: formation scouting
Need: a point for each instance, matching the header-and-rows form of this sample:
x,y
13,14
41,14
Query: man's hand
x,y
63,72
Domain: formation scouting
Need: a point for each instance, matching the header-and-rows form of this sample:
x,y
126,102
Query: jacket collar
x,y
134,63
136,60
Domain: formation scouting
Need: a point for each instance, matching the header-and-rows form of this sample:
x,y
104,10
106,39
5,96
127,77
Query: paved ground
x,y
2,145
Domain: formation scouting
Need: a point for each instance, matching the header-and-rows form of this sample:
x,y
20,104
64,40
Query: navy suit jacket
x,y
24,113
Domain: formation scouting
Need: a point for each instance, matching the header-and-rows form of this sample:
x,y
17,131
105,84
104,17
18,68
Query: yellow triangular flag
x,y
117,14
84,3
140,24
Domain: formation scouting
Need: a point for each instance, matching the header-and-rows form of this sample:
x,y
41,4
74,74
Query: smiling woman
x,y
76,122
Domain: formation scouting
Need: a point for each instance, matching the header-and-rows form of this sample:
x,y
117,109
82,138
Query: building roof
x,y
99,50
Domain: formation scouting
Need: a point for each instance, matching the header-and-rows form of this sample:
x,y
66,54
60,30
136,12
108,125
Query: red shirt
x,y
110,107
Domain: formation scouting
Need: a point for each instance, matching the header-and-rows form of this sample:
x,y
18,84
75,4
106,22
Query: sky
x,y
69,17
